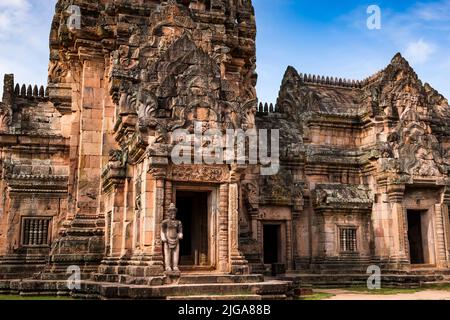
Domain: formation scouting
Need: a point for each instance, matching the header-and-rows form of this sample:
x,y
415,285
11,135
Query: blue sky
x,y
323,37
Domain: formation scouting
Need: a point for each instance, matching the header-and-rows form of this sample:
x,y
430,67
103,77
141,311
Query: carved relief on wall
x,y
249,110
147,106
57,71
250,194
5,117
199,173
413,149
275,213
282,189
337,195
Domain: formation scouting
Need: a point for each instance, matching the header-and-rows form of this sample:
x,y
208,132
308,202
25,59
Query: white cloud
x,y
434,11
419,51
13,16
17,4
24,30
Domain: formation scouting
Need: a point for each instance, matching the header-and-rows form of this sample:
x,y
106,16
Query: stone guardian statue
x,y
171,234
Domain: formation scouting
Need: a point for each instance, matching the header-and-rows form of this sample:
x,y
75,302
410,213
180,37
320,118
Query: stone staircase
x,y
16,266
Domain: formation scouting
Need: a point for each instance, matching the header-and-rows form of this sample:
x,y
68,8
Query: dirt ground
x,y
339,294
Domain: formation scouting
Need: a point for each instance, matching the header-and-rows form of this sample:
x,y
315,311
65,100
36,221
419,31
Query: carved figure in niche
x,y
251,79
117,159
124,55
251,196
228,118
251,109
171,234
57,71
222,57
5,116
147,107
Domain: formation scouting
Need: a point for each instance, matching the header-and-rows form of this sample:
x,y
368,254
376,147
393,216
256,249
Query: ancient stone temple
x,y
87,174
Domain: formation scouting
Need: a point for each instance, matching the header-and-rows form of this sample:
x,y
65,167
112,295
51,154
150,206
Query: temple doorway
x,y
272,243
415,237
193,213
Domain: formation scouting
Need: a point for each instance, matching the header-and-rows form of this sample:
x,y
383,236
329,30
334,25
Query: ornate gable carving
x,y
411,148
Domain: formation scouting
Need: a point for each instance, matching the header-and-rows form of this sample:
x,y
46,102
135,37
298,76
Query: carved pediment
x,y
413,149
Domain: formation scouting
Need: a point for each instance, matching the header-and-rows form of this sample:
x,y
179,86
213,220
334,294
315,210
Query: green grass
x,y
384,291
316,296
15,297
443,287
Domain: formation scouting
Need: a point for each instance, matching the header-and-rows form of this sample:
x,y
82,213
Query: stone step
x,y
184,279
143,292
211,278
89,289
125,279
242,297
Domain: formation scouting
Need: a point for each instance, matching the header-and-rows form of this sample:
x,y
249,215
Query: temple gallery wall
x,y
87,178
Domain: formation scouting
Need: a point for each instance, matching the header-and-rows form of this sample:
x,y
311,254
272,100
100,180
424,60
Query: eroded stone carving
x,y
5,117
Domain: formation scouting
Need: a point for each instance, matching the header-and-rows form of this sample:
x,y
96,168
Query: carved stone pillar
x,y
117,216
440,243
238,264
446,219
400,247
222,234
153,214
127,230
168,197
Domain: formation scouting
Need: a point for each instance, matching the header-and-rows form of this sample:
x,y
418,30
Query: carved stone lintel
x,y
199,173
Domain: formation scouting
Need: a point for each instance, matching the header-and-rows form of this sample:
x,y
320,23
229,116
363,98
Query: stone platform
x,y
411,279
187,287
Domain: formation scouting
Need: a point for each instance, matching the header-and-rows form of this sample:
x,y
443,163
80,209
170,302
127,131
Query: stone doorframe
x,y
213,214
284,251
284,219
438,233
429,243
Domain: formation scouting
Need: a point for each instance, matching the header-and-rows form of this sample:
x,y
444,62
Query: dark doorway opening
x,y
271,243
416,253
193,213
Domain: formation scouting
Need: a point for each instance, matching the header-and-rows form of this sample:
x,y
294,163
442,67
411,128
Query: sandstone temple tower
x,y
86,174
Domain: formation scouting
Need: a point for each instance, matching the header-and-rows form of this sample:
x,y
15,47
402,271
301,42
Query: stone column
x,y
127,230
400,248
222,233
443,229
168,197
440,243
153,188
117,221
289,244
238,264
445,203
83,242
158,213
446,215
